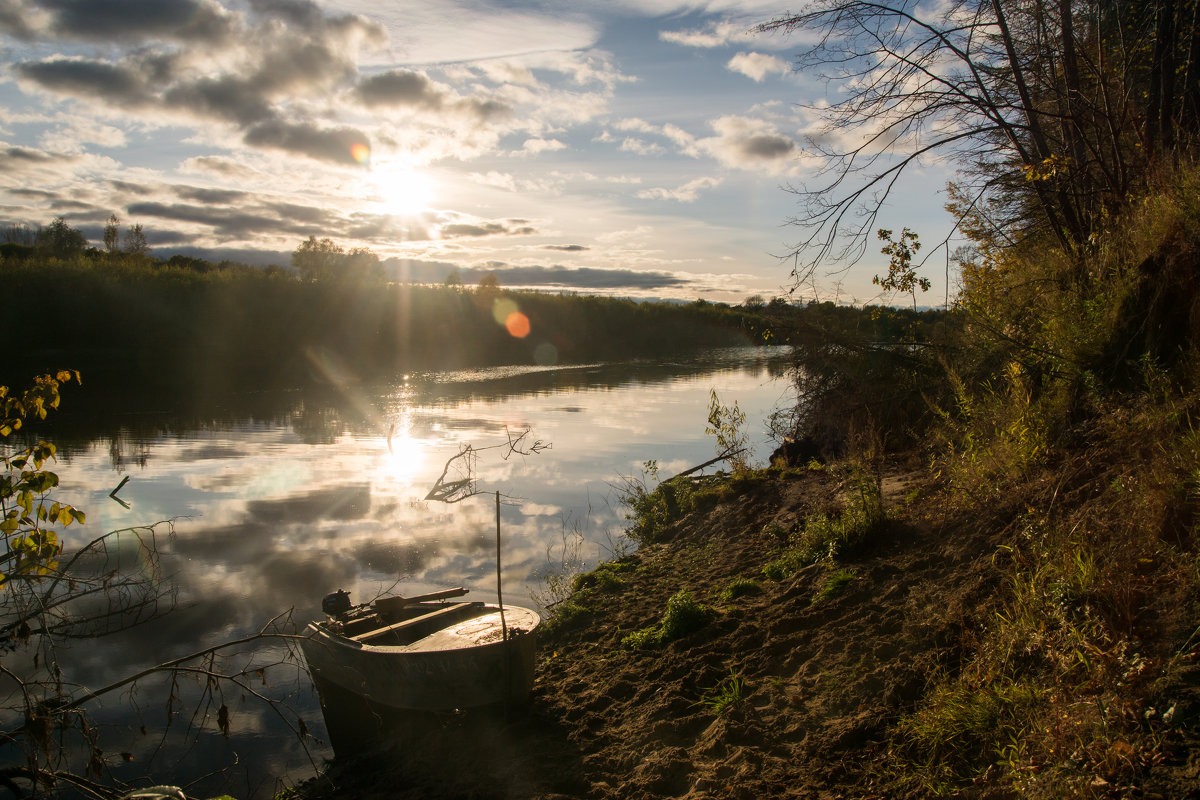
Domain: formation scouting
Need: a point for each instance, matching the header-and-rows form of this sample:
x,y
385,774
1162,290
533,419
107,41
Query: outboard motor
x,y
336,603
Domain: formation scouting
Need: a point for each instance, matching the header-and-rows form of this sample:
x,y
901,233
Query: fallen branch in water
x,y
460,488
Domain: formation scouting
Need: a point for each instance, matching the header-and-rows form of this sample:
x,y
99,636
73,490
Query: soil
x,y
821,677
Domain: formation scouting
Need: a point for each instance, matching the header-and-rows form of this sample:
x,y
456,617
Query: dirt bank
x,y
822,672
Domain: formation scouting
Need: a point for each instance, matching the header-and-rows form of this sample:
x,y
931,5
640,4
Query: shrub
x,y
682,616
740,587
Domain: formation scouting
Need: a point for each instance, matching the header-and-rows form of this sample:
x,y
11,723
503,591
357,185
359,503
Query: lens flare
x,y
517,325
360,152
502,309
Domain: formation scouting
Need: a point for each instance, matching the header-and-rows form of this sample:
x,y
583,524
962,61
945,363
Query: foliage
x,y
652,509
1056,113
325,261
683,616
135,243
833,584
726,694
112,234
832,537
726,423
209,326
865,372
60,240
740,587
26,512
901,277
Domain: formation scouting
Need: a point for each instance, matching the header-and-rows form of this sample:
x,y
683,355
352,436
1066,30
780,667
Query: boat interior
x,y
403,625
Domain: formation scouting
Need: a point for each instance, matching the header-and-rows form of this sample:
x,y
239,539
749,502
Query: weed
x,y
724,695
606,577
682,616
651,510
828,538
642,639
562,568
740,587
833,584
727,423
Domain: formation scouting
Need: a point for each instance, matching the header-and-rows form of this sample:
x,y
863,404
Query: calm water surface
x,y
272,509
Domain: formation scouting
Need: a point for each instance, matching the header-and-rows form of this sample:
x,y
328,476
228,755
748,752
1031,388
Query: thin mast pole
x,y
499,590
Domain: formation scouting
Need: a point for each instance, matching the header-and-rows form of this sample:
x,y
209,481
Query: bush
x,y
683,616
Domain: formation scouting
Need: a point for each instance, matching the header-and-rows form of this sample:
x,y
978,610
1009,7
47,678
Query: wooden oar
x,y
394,604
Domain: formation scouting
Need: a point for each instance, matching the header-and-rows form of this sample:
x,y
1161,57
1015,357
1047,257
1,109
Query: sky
x,y
642,148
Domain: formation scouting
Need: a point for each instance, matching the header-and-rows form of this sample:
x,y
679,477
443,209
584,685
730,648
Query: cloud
x,y
758,66
535,146
228,222
399,88
741,142
413,90
714,34
456,230
566,248
335,145
752,144
258,74
84,77
225,168
190,21
17,156
538,276
580,278
641,147
686,193
211,196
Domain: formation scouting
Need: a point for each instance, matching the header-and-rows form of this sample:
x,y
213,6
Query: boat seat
x,y
445,611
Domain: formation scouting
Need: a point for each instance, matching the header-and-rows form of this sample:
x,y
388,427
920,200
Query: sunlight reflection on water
x,y
273,513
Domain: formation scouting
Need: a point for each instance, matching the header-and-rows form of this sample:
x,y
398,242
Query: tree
x,y
112,233
20,233
60,240
361,265
1055,112
317,259
135,241
489,284
454,278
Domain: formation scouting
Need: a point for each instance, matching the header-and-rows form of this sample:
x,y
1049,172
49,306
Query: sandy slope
x,y
821,679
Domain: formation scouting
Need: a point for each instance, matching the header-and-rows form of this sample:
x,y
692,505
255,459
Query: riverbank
x,y
813,683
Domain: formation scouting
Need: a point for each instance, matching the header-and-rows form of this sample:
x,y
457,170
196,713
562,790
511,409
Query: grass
x,y
725,695
740,587
833,584
830,537
683,616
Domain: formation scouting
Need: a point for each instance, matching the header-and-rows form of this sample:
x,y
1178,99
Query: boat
x,y
423,653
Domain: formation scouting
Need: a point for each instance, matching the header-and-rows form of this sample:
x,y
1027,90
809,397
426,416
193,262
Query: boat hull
x,y
464,665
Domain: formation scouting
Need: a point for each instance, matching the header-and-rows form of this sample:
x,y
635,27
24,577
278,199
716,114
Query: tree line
x,y
190,322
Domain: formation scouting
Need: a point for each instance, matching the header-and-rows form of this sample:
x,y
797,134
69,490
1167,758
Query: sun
x,y
402,190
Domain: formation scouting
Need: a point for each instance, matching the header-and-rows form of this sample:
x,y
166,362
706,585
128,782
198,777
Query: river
x,y
276,501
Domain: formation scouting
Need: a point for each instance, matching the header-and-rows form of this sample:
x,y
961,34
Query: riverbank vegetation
x,y
1038,555
196,324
